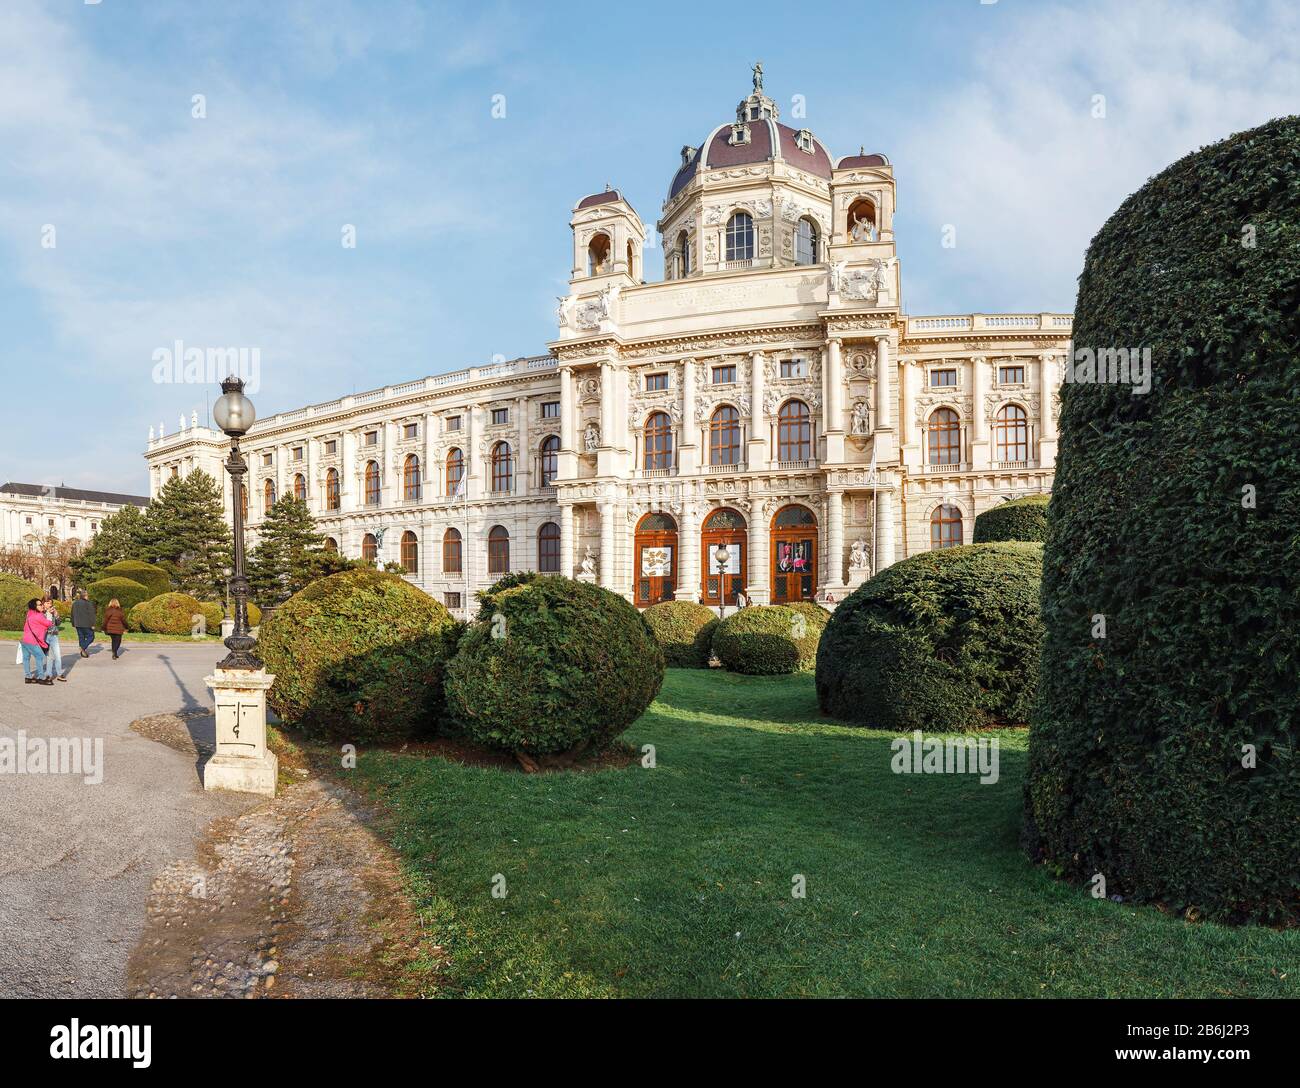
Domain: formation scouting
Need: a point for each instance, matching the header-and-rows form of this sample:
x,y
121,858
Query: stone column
x,y
474,485
524,459
1046,392
758,585
567,463
606,404
688,554
430,474
608,512
980,453
884,384
348,473
834,402
390,473
834,576
758,452
566,540
884,530
688,448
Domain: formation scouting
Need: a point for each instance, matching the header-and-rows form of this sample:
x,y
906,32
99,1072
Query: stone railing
x,y
990,322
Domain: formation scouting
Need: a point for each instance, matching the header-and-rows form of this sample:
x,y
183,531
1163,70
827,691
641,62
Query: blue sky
x,y
225,230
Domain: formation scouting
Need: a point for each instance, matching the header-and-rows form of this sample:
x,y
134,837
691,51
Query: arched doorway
x,y
794,554
722,528
656,559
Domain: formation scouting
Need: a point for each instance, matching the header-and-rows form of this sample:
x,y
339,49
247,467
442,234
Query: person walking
x,y
53,649
83,619
34,631
115,625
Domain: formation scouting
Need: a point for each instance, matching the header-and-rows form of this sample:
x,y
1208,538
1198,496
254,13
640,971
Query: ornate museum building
x,y
766,418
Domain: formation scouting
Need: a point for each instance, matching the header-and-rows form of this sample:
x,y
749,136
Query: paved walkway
x,y
77,860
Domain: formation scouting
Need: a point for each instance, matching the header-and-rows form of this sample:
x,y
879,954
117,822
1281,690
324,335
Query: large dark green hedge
x,y
684,631
15,592
156,580
944,640
359,656
552,664
768,640
1175,518
1019,519
126,591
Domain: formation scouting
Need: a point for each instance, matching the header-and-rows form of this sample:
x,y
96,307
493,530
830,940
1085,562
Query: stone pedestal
x,y
242,761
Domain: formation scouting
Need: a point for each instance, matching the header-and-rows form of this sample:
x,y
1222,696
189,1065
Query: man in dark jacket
x,y
83,619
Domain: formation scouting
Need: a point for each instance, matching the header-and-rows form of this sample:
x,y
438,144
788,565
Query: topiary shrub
x,y
944,640
358,656
152,577
684,631
127,592
14,595
767,640
166,614
1163,754
553,665
213,614
1019,519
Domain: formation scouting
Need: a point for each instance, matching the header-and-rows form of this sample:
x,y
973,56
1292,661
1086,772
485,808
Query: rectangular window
x,y
72,524
331,447
451,600
724,375
655,382
372,438
500,415
940,378
1011,375
29,521
794,368
551,409
411,430
453,423
266,461
297,453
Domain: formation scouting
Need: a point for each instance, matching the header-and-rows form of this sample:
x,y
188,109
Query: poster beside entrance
x,y
657,561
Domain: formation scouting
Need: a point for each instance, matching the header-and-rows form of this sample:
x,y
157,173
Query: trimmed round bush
x,y
1019,519
358,656
149,575
14,595
767,640
1164,749
684,631
126,591
945,640
213,614
166,614
553,665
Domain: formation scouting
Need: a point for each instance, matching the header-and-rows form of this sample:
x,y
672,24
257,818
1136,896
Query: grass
x,y
677,880
68,634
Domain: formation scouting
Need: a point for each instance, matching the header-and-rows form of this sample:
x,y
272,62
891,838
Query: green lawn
x,y
68,634
676,881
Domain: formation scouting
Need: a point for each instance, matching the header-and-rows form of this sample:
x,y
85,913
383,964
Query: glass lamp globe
x,y
722,554
233,412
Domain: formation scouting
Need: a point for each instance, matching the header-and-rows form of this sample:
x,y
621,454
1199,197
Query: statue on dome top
x,y
758,78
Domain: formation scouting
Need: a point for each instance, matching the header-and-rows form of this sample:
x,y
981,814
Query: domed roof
x,y
849,161
768,141
607,197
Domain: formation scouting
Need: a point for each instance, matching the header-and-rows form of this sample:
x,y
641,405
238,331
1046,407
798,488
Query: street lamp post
x,y
722,556
242,762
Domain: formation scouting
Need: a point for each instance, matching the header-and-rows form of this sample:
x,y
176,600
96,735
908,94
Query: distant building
x,y
769,401
29,513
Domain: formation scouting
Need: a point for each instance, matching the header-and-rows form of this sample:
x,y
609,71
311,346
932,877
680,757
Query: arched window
x,y
300,487
945,527
372,483
740,237
498,551
598,255
410,552
268,495
455,471
369,548
550,459
548,548
724,436
1011,433
330,545
945,437
659,441
794,432
333,499
861,222
451,551
503,468
683,254
631,266
411,486
805,242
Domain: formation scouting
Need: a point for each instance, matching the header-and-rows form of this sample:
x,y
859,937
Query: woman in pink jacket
x,y
35,645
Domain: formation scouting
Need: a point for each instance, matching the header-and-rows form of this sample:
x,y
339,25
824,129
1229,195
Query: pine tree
x,y
185,531
285,559
121,536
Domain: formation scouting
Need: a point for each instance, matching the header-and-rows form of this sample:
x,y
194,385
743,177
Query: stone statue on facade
x,y
562,310
758,78
591,438
861,229
859,422
859,558
589,562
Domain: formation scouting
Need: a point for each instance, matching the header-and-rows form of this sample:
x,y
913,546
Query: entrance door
x,y
656,559
723,528
794,555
